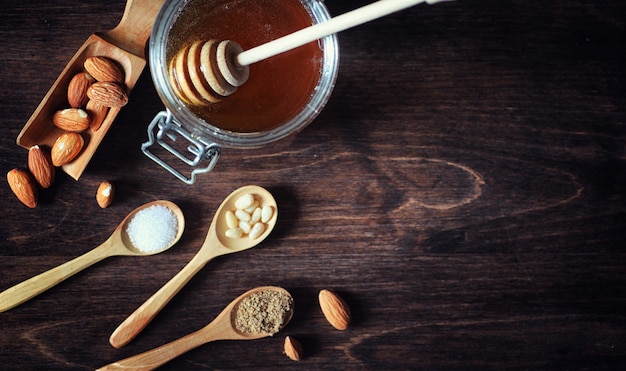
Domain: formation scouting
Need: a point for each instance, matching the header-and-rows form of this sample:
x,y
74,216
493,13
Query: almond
x,y
97,113
23,186
104,69
292,348
71,119
335,309
108,94
77,89
66,148
40,166
104,195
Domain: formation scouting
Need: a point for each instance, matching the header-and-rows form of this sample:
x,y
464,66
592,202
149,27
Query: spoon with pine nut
x,y
205,72
219,241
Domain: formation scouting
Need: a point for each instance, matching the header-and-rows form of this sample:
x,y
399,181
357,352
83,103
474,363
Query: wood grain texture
x,y
463,190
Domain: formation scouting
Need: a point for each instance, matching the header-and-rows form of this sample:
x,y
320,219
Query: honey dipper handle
x,y
342,22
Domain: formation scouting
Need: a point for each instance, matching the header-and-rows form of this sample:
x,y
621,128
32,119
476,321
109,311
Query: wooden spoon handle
x,y
143,315
342,22
134,29
221,328
156,357
34,286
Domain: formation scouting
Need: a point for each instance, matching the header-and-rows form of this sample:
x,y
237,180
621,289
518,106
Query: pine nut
x,y
252,207
257,230
244,201
266,214
231,219
245,227
242,215
248,219
234,233
256,215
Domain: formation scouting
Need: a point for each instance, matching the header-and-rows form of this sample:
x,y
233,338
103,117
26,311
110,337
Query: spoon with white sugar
x,y
206,72
216,243
275,305
120,243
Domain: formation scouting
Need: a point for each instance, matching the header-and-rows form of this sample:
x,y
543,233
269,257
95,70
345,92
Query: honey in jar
x,y
277,87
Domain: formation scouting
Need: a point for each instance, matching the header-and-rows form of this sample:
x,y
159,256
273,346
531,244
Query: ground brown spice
x,y
263,312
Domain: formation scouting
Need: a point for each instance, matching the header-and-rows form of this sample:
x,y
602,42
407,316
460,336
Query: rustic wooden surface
x,y
464,190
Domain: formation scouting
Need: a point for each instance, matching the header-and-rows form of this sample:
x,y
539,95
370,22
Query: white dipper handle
x,y
342,22
224,65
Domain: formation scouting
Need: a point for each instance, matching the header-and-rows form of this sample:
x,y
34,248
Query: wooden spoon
x,y
221,328
118,244
215,244
206,72
126,45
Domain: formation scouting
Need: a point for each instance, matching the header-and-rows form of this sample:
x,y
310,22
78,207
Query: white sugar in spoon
x,y
118,244
206,72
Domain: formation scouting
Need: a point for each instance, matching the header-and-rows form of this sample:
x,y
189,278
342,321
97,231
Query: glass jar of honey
x,y
281,96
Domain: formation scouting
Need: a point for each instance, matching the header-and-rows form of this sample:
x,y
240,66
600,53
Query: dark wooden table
x,y
464,191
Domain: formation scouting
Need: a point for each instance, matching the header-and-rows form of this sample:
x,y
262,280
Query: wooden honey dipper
x,y
207,71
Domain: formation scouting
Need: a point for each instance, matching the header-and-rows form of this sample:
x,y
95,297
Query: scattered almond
x,y
104,195
335,309
109,94
104,69
72,119
293,348
40,166
77,89
97,113
66,148
23,186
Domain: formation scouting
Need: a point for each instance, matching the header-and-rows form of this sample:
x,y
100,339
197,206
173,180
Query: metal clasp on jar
x,y
168,130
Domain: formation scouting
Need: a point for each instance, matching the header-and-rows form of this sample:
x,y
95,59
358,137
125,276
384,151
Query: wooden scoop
x,y
126,45
207,72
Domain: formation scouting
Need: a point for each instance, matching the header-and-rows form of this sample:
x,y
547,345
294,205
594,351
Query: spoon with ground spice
x,y
258,313
218,242
149,229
